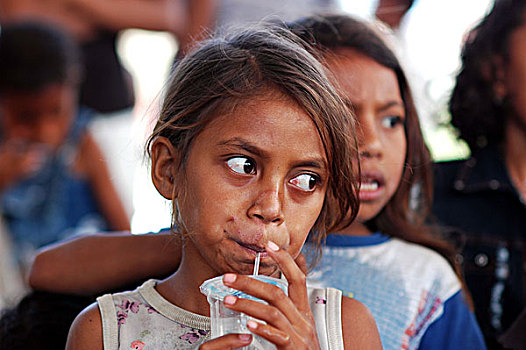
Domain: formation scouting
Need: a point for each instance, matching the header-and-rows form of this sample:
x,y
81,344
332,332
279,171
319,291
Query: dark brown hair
x,y
405,214
35,55
226,70
477,114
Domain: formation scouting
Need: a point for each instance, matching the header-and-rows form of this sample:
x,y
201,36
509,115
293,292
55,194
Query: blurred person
x,y
482,199
54,180
107,86
41,320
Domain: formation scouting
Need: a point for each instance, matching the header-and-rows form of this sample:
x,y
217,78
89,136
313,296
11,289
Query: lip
x,y
252,249
372,185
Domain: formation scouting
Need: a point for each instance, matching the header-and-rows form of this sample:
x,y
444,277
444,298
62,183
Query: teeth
x,y
369,186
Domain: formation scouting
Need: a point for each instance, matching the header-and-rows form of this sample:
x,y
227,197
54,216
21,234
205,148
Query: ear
x,y
164,161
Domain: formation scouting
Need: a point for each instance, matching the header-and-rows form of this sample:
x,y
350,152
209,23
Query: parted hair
x,y
226,70
478,115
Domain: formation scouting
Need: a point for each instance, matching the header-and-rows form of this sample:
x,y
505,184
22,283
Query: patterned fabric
x,y
404,285
143,319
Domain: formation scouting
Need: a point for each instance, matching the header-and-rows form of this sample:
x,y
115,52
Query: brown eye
x,y
391,122
306,182
242,165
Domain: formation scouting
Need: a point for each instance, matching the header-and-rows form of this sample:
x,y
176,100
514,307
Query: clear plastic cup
x,y
224,320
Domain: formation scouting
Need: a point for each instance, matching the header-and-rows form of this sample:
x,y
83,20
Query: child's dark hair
x,y
476,112
41,320
34,55
225,71
327,33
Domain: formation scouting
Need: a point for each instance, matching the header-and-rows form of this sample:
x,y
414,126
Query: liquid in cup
x,y
224,320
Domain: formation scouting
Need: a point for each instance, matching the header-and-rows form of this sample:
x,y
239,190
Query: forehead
x,y
360,77
270,121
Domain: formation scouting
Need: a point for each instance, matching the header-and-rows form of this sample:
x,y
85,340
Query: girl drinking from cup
x,y
254,148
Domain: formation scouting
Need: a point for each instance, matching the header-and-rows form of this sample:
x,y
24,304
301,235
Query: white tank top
x,y
144,319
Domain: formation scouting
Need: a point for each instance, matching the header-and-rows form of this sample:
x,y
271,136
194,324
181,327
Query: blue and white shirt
x,y
412,291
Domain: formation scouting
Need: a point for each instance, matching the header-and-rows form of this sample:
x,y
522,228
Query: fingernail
x,y
245,337
229,300
229,278
272,246
252,324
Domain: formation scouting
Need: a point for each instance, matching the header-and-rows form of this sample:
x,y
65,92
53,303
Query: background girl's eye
x,y
242,165
306,182
392,121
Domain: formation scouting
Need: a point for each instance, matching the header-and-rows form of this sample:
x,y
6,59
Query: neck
x,y
357,228
515,154
182,288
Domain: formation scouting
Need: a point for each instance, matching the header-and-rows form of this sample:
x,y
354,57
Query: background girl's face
x,y
373,92
257,172
41,117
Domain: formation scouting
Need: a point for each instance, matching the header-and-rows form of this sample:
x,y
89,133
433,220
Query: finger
x,y
294,275
267,313
281,312
227,341
302,263
273,335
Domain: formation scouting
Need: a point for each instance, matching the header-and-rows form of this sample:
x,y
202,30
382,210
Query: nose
x,y
370,145
267,206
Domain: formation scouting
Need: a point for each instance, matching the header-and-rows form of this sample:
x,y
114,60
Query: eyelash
x,y
239,161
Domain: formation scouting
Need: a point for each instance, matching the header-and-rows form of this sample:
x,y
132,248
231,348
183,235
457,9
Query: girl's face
x,y
41,117
257,172
373,92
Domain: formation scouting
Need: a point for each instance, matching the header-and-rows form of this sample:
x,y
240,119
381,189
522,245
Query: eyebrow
x,y
315,162
381,109
389,105
244,144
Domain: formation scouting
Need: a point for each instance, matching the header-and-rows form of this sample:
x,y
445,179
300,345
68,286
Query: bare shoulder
x,y
86,330
359,327
89,148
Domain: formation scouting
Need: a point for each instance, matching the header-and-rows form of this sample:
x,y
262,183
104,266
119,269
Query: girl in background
x,y
388,258
254,148
54,180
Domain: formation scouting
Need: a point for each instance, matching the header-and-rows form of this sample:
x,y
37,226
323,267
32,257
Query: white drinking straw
x,y
256,264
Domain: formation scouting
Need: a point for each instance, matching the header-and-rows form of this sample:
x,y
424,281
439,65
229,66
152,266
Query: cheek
x,y
301,220
207,202
397,160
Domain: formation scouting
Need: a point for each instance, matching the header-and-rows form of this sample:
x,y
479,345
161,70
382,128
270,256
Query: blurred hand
x,y
19,160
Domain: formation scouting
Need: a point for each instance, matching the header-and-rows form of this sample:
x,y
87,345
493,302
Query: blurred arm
x,y
199,23
165,15
93,162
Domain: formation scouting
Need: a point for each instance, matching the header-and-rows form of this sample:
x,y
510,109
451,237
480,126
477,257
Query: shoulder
x,y
86,330
358,325
90,160
425,266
